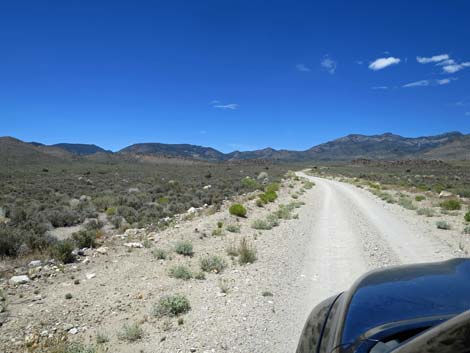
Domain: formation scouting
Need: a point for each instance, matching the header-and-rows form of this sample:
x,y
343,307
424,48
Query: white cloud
x,y
302,67
445,81
329,65
422,83
380,87
417,84
453,68
432,59
382,63
231,106
446,62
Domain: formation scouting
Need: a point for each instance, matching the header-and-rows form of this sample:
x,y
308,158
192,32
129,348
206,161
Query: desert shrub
x,y
428,212
273,187
62,251
94,224
131,333
284,212
250,184
466,230
212,264
443,225
3,301
272,220
180,272
184,248
231,250
56,345
200,275
267,294
111,211
237,210
451,205
159,254
172,305
463,192
260,202
128,213
308,184
419,198
62,217
268,196
467,217
405,202
233,228
247,253
101,338
217,231
85,238
261,224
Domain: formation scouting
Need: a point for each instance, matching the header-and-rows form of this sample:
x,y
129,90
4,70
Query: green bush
x,y
237,210
180,272
467,217
443,225
246,252
213,264
85,238
184,248
173,305
451,205
62,251
273,187
268,196
250,184
419,198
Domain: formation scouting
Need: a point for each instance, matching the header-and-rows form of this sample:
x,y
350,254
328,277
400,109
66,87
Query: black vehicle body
x,y
395,309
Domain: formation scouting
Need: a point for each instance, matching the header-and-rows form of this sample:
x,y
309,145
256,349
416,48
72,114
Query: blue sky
x,y
232,74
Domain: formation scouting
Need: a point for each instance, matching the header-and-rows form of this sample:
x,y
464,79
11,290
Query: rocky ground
x,y
341,232
121,282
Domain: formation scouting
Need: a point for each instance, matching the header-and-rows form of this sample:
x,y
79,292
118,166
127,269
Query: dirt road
x,y
350,232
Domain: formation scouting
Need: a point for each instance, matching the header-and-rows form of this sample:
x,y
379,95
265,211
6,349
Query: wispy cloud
x,y
231,106
219,105
422,83
467,114
382,63
379,87
329,65
417,84
302,68
453,68
449,66
445,81
432,59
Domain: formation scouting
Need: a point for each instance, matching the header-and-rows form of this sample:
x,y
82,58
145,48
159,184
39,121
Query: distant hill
x,y
80,149
174,150
17,152
388,146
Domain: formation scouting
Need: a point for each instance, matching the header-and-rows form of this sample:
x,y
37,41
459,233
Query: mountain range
x,y
447,146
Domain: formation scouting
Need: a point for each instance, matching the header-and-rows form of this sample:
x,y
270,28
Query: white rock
x,y
134,245
90,275
207,187
35,263
191,210
445,194
73,331
19,279
102,250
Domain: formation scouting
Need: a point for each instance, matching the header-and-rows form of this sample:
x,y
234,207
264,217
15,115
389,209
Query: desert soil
x,y
342,232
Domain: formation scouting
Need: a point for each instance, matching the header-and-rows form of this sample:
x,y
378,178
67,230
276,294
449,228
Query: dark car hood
x,y
406,293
